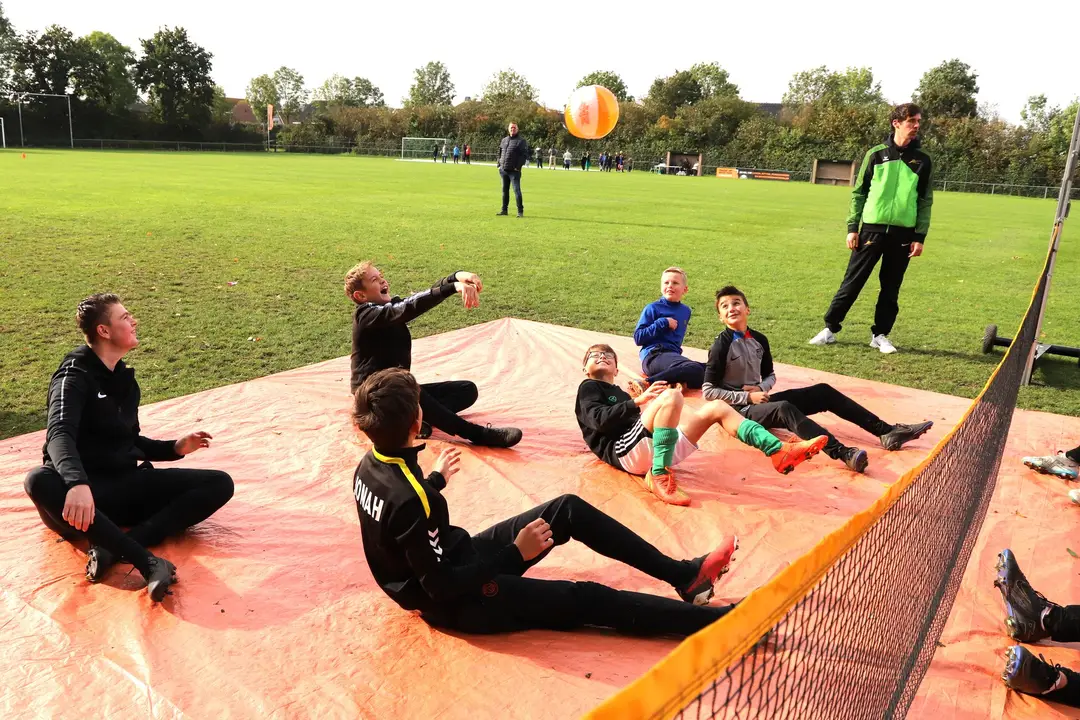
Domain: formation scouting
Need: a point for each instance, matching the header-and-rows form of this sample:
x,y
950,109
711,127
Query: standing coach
x,y
891,199
513,155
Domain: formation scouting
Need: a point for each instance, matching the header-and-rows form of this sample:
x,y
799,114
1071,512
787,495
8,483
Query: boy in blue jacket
x,y
660,332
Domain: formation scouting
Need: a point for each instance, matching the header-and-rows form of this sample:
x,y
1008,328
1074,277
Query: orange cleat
x,y
792,454
665,488
711,567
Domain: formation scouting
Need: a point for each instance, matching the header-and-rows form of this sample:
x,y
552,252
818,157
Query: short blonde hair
x,y
355,277
674,269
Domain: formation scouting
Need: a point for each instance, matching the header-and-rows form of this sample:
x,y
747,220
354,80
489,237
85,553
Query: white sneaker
x,y
882,343
825,337
1074,495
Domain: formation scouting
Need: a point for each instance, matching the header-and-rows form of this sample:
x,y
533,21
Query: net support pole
x,y
71,125
22,138
1064,195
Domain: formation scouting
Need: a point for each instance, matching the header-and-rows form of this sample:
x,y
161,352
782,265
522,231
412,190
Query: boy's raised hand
x,y
470,279
469,294
673,323
447,463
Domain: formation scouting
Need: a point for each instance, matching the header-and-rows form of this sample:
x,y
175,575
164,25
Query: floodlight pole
x,y
3,135
1055,240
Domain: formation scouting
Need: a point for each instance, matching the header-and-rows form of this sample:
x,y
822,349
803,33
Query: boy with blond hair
x,y
660,332
649,434
381,340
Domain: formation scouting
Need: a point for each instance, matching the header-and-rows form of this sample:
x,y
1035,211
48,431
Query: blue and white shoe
x,y
1060,465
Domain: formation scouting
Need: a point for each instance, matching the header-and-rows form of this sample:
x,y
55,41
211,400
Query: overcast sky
x,y
1021,50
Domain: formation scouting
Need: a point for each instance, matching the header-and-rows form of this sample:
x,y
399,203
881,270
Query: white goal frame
x,y
439,141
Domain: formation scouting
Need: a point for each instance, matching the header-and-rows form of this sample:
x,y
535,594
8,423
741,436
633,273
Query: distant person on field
x,y
457,154
740,372
435,153
468,154
96,475
476,583
659,333
888,221
381,340
567,158
649,434
513,155
539,158
444,153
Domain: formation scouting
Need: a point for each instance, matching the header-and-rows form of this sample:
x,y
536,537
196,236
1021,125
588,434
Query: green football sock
x,y
663,453
757,436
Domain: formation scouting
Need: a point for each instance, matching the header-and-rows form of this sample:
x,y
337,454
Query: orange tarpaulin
x,y
276,614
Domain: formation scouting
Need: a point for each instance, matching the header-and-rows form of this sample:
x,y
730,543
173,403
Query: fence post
x,y
992,188
1045,190
946,188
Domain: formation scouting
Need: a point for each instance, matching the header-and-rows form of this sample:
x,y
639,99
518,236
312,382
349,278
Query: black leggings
x,y
442,401
154,503
789,409
1063,623
509,602
893,254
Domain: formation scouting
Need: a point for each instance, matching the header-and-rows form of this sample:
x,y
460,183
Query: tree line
x,y
166,91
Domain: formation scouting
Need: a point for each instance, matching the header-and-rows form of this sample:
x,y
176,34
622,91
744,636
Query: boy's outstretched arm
x,y
405,310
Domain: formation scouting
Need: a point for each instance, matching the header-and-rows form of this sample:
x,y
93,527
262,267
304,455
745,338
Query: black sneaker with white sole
x,y
498,437
162,575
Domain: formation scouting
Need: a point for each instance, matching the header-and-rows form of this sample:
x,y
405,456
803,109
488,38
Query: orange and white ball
x,y
591,112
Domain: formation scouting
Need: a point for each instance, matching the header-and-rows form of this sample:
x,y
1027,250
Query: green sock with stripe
x,y
663,444
757,436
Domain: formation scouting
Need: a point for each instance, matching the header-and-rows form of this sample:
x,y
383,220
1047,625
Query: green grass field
x,y
168,232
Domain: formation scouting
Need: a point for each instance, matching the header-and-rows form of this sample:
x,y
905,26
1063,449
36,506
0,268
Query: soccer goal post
x,y
422,147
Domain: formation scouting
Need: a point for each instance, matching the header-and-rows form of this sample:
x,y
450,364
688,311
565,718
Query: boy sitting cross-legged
x,y
475,584
740,372
652,440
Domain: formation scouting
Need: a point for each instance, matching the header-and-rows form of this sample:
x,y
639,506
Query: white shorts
x,y
635,450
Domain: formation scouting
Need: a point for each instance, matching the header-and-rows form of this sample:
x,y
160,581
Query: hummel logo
x,y
434,543
102,395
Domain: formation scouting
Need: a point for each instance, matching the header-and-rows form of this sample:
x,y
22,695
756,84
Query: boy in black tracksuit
x,y
474,583
381,339
96,473
740,372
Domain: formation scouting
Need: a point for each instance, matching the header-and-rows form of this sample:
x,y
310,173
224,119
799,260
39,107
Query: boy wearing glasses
x,y
649,434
